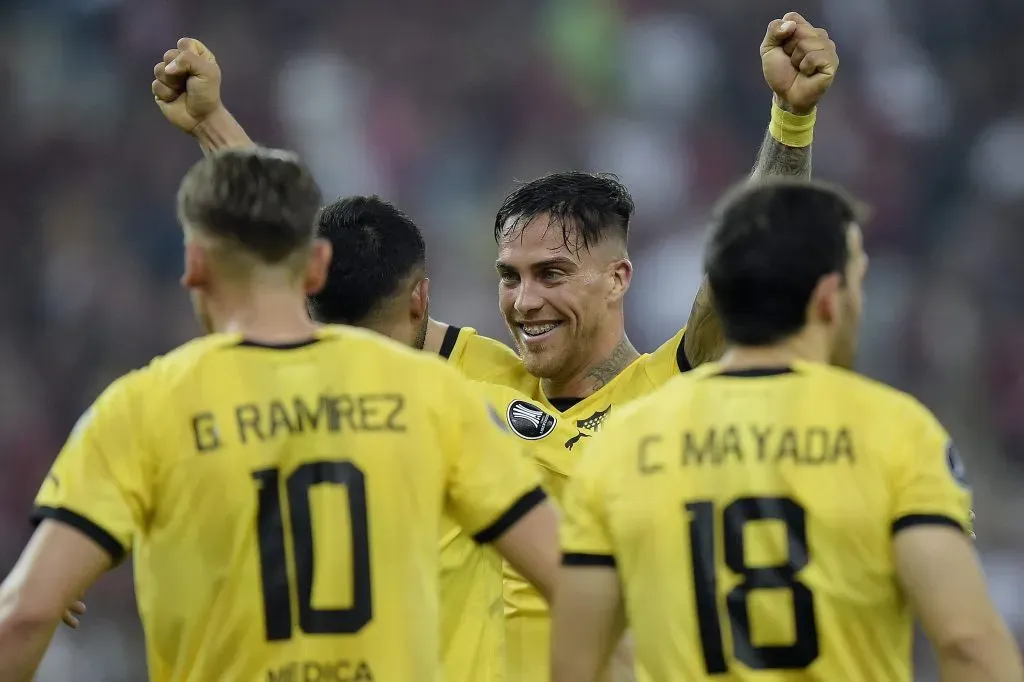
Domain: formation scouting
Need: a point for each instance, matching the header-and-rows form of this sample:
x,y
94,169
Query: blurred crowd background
x,y
441,106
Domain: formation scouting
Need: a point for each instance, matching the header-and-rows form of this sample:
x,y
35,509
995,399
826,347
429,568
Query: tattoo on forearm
x,y
776,159
704,340
620,358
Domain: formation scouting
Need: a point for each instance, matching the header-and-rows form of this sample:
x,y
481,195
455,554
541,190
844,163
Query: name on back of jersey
x,y
277,418
746,444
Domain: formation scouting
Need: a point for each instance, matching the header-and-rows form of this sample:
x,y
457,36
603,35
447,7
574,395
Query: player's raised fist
x,y
799,62
187,84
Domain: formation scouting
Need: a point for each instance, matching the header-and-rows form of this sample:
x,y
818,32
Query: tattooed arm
x,y
778,160
798,86
704,340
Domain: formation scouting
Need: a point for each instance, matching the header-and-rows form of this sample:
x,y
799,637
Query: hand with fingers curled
x,y
799,62
187,85
71,615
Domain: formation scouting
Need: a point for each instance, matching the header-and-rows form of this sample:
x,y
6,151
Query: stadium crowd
x,y
440,106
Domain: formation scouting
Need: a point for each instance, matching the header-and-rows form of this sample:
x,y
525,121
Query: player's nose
x,y
528,299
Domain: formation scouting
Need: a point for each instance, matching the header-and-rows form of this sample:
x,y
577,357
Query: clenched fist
x,y
799,62
187,85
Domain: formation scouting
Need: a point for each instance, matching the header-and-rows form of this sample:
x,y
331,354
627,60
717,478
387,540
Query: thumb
x,y
779,31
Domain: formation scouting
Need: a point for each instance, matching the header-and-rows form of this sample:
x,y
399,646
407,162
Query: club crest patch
x,y
956,465
529,421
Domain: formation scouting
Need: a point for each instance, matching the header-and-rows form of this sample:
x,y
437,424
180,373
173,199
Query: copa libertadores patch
x,y
529,421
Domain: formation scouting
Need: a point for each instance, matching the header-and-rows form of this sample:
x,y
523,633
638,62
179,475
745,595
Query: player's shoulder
x,y
186,357
482,358
664,397
874,396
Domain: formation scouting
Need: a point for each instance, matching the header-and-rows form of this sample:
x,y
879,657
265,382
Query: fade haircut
x,y
770,244
587,207
376,248
262,201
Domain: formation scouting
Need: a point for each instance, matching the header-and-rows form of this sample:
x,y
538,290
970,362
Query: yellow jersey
x,y
750,518
560,433
283,503
472,618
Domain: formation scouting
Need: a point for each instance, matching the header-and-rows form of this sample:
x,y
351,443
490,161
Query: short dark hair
x,y
770,244
263,200
588,207
376,247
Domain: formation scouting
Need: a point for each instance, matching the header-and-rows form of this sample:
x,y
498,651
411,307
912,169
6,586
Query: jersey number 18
x,y
804,650
277,604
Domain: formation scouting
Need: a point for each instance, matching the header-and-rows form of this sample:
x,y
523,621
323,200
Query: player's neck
x,y
607,365
781,354
266,317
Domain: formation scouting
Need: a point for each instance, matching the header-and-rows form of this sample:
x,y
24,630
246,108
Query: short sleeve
x,y
491,483
931,484
585,536
668,360
482,358
97,484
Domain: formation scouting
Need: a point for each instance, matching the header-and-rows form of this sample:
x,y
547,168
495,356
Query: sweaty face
x,y
557,301
844,350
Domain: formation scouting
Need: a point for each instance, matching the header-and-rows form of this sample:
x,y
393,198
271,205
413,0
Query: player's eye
x,y
551,275
508,277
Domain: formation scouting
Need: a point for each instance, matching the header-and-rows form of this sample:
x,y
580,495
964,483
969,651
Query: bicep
x,y
941,577
587,620
531,546
58,565
705,337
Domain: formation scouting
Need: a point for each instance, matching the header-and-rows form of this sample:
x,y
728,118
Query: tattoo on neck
x,y
778,160
607,370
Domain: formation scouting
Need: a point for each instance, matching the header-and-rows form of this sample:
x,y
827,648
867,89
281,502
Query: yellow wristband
x,y
791,129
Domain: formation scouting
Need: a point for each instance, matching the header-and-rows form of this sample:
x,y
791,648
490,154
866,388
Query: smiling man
x,y
564,269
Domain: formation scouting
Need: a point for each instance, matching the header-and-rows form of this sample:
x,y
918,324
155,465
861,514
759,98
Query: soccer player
x,y
775,516
564,270
377,279
280,484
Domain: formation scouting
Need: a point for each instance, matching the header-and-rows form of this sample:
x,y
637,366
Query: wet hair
x,y
587,207
260,201
771,243
376,248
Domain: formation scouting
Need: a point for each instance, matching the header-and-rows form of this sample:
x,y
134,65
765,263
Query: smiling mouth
x,y
537,330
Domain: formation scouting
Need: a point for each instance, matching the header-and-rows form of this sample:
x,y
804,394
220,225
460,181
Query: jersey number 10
x,y
277,603
804,650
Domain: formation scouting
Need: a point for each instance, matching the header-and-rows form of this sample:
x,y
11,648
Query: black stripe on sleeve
x,y
451,337
911,520
581,559
517,511
94,532
682,362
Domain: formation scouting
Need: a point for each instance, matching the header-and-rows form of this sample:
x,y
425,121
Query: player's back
x,y
752,515
298,496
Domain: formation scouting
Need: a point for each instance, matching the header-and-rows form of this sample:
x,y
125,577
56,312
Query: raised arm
x,y
799,63
186,87
777,159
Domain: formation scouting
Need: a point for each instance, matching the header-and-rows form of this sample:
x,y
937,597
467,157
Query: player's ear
x,y
317,266
197,267
622,275
826,304
419,300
